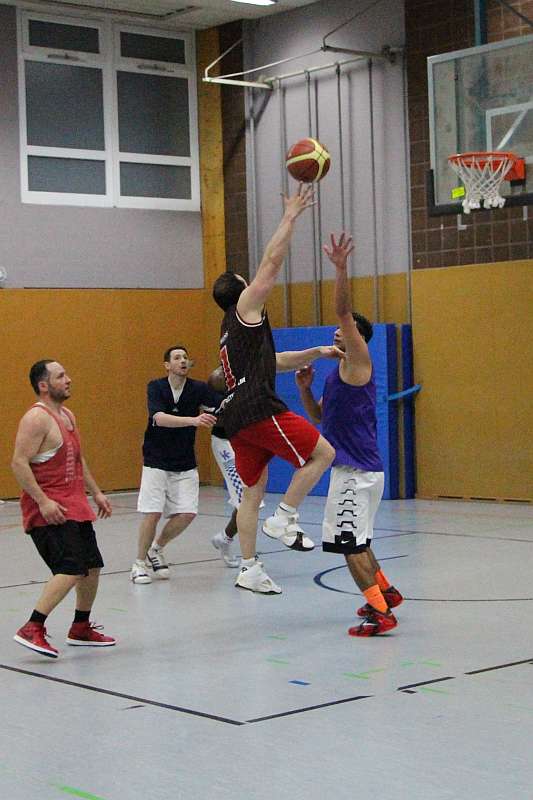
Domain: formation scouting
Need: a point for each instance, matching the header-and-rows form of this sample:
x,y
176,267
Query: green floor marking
x,y
277,636
430,689
519,708
125,610
363,675
277,661
77,792
431,663
407,664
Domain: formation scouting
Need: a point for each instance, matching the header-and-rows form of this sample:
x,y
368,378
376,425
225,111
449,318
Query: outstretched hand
x,y
339,251
298,202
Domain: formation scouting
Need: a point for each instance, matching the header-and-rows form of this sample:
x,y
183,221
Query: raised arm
x,y
357,366
254,297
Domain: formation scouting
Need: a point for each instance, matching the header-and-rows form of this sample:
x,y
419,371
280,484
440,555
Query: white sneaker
x,y
256,580
158,563
226,548
139,573
288,531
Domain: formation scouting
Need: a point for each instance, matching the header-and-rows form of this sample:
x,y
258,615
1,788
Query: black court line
x,y
310,708
215,559
500,666
141,700
456,535
425,683
318,580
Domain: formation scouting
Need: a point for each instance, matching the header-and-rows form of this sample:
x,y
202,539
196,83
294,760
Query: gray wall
x,y
301,31
62,246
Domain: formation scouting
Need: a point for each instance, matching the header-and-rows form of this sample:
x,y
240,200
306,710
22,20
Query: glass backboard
x,y
481,99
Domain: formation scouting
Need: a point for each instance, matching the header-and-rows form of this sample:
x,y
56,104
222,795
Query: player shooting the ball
x,y
256,420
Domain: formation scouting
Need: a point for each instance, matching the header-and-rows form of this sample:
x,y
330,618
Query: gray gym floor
x,y
214,692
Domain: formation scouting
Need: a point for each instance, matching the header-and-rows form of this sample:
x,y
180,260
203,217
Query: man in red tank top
x,y
53,474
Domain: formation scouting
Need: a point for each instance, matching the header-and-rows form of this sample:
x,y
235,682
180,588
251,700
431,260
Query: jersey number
x,y
229,377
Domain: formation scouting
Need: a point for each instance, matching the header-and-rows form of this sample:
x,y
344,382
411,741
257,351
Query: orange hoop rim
x,y
480,158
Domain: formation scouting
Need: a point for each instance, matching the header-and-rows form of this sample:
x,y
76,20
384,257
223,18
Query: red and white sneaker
x,y
33,635
392,597
374,623
86,634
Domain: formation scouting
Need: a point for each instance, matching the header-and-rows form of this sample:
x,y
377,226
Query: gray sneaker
x,y
226,548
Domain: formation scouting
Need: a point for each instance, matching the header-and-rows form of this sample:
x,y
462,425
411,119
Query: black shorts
x,y
68,549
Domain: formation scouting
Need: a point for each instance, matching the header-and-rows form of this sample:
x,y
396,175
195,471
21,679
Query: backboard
x,y
480,99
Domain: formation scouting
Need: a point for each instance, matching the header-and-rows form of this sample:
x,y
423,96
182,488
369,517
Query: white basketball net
x,y
482,175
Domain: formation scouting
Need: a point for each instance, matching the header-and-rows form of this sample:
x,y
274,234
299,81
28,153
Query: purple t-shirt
x,y
349,422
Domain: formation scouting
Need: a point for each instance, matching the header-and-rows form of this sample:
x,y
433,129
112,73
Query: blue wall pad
x,y
408,409
384,356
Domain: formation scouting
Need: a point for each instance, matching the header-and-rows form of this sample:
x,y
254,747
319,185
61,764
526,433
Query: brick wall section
x,y
233,127
499,235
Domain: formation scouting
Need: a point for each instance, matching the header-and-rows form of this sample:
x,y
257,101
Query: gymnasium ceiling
x,y
172,14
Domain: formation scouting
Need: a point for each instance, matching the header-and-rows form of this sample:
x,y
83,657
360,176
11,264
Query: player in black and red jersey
x,y
256,420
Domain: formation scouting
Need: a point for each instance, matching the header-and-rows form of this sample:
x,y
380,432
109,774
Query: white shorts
x,y
353,499
168,493
225,458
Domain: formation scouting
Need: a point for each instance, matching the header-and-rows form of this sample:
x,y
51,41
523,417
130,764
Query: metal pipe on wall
x,y
317,300
377,312
407,194
249,95
341,151
319,214
287,313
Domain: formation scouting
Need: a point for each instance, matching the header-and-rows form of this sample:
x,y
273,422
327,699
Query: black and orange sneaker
x,y
33,635
392,597
86,634
374,623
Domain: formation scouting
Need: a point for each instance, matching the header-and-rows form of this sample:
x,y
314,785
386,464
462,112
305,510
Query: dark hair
x,y
363,326
39,372
166,357
227,289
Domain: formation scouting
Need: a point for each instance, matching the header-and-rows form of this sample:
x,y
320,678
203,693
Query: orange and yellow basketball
x,y
308,160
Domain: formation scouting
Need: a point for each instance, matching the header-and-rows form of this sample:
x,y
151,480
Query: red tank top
x,y
60,478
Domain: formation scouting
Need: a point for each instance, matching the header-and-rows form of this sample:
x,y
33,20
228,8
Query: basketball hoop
x,y
482,174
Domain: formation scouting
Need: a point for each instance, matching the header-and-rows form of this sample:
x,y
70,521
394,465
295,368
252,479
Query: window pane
x,y
63,37
153,114
72,175
152,48
64,106
155,180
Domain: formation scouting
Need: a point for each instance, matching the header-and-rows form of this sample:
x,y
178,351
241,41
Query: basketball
x,y
308,160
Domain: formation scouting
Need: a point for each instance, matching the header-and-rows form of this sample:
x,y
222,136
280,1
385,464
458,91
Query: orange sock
x,y
382,581
376,599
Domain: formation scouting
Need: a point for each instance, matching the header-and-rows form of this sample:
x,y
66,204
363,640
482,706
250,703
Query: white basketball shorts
x,y
168,493
353,499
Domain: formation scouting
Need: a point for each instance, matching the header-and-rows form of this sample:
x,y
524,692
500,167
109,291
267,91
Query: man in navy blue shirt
x,y
169,482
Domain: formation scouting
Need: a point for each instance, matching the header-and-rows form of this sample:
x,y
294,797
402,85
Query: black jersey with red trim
x,y
248,358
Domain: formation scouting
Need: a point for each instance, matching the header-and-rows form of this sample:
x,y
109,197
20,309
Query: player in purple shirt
x,y
347,411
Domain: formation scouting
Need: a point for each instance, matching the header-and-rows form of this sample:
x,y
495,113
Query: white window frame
x,y
109,62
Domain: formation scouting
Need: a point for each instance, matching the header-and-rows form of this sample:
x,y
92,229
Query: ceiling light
x,y
257,2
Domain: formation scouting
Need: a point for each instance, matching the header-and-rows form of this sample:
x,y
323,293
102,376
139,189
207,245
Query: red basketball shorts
x,y
286,435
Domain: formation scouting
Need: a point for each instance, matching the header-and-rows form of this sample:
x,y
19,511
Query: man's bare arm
x,y
33,429
163,420
357,366
304,379
254,297
289,360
